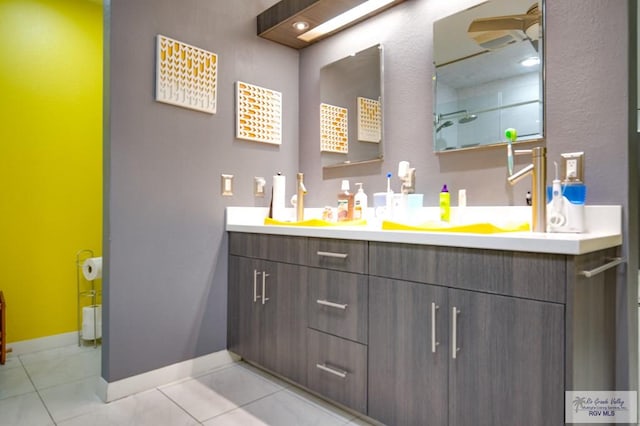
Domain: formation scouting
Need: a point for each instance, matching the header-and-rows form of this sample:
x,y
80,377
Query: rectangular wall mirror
x,y
351,109
488,74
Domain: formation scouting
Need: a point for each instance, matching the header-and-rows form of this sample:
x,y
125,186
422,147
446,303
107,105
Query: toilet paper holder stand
x,y
84,292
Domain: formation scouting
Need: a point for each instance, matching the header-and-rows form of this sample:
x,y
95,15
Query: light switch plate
x,y
258,186
226,185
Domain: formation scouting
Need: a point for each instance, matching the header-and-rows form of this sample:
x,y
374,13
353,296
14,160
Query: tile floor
x,y
56,387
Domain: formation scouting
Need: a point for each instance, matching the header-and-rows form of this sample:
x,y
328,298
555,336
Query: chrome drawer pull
x,y
331,254
434,342
255,285
454,332
331,304
264,287
339,373
613,262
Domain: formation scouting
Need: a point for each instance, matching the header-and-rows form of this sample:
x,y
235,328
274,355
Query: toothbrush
x,y
511,134
389,200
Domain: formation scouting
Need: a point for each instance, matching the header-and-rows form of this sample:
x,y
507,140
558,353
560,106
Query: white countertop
x,y
603,224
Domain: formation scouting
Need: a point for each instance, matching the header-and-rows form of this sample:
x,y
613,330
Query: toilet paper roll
x,y
92,268
279,192
92,322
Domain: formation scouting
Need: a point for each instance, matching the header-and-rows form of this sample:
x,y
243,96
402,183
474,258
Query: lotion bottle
x,y
345,203
445,204
360,204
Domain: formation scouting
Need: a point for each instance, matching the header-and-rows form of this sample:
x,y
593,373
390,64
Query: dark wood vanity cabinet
x,y
499,360
267,320
443,354
411,334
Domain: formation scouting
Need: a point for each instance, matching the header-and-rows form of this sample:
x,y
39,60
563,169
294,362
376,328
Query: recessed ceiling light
x,y
300,25
530,62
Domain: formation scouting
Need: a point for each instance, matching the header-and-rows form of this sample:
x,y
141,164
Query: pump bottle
x,y
360,204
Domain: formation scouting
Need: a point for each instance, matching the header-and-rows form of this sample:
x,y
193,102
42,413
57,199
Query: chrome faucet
x,y
538,170
301,190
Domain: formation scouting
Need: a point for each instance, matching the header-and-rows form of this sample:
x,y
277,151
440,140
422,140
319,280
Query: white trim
x,y
43,343
183,370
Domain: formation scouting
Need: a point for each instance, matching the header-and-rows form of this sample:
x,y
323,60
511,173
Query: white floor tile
x,y
279,409
60,370
14,381
57,353
24,410
213,394
145,409
12,361
72,399
322,404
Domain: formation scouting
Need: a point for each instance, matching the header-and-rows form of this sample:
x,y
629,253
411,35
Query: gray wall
x,y
165,293
165,289
588,108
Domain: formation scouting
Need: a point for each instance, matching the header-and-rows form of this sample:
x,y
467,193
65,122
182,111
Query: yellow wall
x,y
50,158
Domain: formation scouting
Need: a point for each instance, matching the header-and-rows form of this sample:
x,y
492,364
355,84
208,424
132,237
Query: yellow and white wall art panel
x,y
258,114
186,76
369,120
334,130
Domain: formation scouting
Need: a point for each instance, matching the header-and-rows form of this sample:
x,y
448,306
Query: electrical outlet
x,y
258,186
226,183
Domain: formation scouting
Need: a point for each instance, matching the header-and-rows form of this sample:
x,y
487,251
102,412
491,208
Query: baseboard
x,y
43,343
110,391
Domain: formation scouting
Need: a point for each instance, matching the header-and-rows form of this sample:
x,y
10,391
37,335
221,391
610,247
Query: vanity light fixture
x,y
530,62
284,21
344,19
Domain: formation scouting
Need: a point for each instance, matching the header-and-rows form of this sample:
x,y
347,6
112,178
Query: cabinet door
x,y
244,307
508,368
407,379
284,320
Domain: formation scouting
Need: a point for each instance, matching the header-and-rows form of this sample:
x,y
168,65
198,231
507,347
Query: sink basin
x,y
474,228
315,222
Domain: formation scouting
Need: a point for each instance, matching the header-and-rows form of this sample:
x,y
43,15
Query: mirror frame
x,y
543,92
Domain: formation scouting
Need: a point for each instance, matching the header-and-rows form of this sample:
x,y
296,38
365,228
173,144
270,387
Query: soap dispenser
x,y
360,204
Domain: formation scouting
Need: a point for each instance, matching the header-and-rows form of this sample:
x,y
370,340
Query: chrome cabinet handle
x,y
340,373
434,342
331,254
255,285
454,332
331,304
613,262
264,287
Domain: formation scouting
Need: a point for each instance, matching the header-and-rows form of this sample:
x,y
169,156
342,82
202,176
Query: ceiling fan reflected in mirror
x,y
498,31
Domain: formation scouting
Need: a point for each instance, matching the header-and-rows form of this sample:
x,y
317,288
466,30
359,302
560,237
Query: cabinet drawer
x,y
338,303
342,255
280,248
337,369
529,275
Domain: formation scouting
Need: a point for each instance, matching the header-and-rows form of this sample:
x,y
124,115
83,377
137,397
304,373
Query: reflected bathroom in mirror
x,y
488,74
351,109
